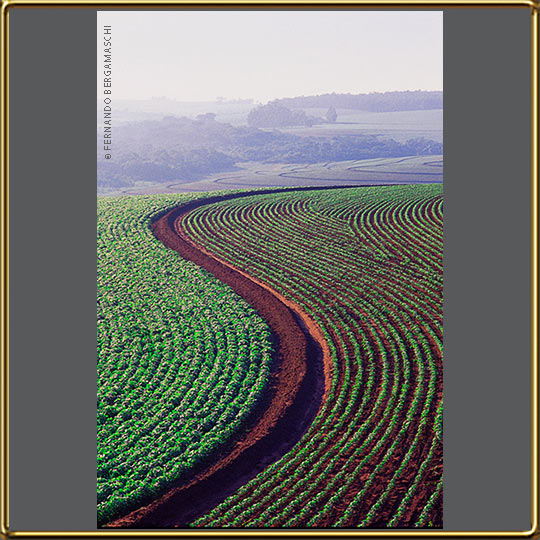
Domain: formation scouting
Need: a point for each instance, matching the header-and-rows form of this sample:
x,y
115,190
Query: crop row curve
x,y
300,380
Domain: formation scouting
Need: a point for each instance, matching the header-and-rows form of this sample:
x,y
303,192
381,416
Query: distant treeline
x,y
374,102
182,149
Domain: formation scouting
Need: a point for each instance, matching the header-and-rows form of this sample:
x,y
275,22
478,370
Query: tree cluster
x,y
275,115
374,102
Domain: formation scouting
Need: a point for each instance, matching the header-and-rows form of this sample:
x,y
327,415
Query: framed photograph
x,y
274,272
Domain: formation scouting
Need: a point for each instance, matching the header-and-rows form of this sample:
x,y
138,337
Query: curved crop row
x,y
366,265
182,359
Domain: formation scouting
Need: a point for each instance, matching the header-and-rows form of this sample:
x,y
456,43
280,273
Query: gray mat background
x,y
53,264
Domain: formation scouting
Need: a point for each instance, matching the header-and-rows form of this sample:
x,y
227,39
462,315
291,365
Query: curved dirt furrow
x,y
300,380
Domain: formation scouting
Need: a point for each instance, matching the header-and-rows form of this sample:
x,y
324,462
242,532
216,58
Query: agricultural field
x,y
182,359
253,174
272,358
398,125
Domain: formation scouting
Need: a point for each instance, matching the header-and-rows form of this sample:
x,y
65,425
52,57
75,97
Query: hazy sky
x,y
199,55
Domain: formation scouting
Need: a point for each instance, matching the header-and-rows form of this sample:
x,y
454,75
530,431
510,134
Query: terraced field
x,y
338,378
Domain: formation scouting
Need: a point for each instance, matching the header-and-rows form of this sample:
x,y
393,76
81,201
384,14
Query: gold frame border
x,y
6,5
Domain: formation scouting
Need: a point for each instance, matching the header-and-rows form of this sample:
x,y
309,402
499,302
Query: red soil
x,y
432,475
300,377
300,382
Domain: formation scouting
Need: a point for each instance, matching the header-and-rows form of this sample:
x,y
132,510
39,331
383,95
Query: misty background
x,y
205,100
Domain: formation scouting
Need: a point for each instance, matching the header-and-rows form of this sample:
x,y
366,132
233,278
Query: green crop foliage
x,y
366,264
182,359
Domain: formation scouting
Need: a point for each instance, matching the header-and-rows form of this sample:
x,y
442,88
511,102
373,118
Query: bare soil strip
x,y
300,380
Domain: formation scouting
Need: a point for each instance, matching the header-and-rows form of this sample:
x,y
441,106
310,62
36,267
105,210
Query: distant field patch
x,y
397,125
